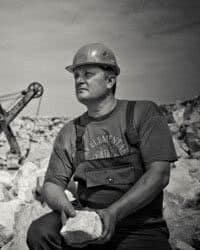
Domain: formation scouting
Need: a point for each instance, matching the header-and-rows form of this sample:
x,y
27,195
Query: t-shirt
x,y
104,137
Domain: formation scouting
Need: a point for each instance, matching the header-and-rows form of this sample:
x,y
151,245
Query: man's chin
x,y
82,98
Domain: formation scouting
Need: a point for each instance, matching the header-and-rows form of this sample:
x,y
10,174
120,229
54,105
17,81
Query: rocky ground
x,y
18,180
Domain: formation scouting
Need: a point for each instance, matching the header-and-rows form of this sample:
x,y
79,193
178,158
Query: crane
x,y
34,90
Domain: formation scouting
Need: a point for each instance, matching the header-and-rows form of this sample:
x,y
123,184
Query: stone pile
x,y
17,193
18,203
184,121
182,195
32,134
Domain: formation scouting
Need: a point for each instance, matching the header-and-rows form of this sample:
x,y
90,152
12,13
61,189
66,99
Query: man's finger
x,y
106,229
63,217
69,210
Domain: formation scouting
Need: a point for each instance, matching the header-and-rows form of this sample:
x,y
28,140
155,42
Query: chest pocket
x,y
123,175
103,181
117,171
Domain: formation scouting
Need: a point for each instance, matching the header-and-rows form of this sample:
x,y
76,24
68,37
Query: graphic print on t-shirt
x,y
105,146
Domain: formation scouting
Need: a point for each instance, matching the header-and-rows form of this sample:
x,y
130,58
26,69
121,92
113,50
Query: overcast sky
x,y
157,45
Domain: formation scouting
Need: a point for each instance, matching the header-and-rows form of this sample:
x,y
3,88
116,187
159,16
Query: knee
x,y
35,233
44,230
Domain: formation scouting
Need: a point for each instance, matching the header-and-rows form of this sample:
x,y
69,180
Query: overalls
x,y
100,183
103,181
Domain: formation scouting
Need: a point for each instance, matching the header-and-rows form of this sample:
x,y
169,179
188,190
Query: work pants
x,y
43,234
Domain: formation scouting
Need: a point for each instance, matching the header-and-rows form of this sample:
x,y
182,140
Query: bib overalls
x,y
100,183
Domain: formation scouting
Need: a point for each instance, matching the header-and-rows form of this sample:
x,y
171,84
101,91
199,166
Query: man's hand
x,y
108,218
57,200
68,211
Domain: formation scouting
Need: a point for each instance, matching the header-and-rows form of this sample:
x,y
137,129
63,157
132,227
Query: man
x,y
120,154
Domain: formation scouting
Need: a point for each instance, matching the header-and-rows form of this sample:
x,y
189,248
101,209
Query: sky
x,y
156,42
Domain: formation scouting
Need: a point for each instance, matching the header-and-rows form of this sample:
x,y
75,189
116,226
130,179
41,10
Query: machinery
x,y
34,90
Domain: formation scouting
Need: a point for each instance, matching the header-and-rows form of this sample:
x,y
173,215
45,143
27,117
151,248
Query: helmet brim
x,y
72,67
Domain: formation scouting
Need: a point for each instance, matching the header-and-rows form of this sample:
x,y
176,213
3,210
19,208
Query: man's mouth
x,y
81,89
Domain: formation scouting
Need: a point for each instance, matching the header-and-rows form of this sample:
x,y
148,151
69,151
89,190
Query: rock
x,y
40,174
6,178
195,116
39,151
192,137
182,222
196,155
44,163
181,201
7,215
194,169
27,178
25,182
178,116
12,161
23,218
4,193
2,196
180,151
181,184
174,128
85,226
2,163
181,245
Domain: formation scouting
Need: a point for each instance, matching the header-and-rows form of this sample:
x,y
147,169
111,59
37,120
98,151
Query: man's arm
x,y
142,193
157,150
59,172
56,199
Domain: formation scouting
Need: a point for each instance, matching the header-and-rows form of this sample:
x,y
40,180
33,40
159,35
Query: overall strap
x,y
131,130
80,125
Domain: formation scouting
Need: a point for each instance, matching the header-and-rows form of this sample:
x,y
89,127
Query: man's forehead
x,y
93,68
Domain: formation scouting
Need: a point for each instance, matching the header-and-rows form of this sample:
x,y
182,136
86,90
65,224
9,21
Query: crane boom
x,y
34,90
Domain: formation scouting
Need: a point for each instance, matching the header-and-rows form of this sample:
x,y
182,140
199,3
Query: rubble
x,y
32,134
6,178
25,214
7,220
184,122
25,181
181,245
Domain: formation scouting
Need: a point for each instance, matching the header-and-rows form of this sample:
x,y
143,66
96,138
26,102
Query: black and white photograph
x,y
100,125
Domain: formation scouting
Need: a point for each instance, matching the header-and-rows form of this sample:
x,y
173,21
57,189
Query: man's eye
x,y
75,76
88,74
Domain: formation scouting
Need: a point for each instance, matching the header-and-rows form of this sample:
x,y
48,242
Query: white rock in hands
x,y
85,226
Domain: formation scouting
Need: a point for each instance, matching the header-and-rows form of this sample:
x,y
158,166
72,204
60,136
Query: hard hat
x,y
94,53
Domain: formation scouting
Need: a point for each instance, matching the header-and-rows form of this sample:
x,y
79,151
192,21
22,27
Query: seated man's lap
x,y
49,225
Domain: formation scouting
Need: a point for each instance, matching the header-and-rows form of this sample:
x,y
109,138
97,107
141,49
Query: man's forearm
x,y
142,193
54,196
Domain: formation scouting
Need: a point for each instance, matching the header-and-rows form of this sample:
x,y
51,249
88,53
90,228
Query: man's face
x,y
90,83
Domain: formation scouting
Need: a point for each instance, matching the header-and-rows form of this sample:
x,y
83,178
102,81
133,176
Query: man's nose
x,y
80,80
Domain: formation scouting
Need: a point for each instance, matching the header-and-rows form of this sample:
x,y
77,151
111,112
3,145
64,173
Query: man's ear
x,y
110,81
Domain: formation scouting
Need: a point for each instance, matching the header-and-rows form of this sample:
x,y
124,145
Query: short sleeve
x,y
156,142
60,168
